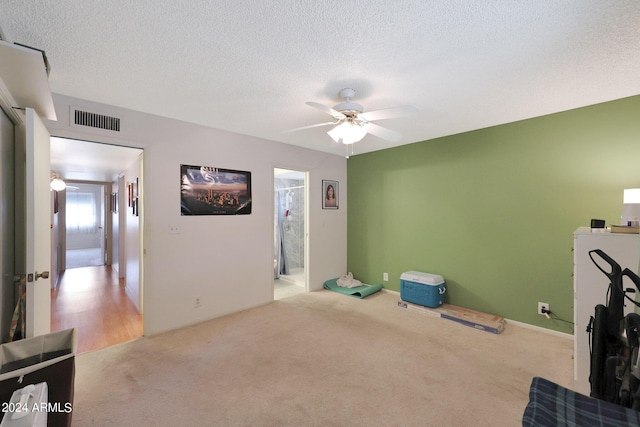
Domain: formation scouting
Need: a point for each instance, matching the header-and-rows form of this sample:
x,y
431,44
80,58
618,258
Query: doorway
x,y
99,240
290,232
85,219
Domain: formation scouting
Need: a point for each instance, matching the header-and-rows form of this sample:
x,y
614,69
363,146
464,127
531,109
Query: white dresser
x,y
590,287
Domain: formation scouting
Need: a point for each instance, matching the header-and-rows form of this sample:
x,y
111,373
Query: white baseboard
x,y
539,329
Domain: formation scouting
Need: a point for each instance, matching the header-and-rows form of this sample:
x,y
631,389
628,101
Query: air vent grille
x,y
100,121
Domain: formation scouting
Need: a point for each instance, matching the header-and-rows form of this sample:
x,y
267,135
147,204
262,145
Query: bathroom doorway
x,y
290,232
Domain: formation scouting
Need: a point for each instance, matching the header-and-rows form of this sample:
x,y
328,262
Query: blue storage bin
x,y
422,288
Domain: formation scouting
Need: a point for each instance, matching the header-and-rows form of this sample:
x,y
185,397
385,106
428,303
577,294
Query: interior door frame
x,y
136,283
105,220
274,213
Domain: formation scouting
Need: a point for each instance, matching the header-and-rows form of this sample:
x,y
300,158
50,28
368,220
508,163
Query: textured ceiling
x,y
249,66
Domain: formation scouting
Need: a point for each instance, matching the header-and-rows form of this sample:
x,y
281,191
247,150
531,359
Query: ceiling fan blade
x,y
390,113
328,110
384,133
309,127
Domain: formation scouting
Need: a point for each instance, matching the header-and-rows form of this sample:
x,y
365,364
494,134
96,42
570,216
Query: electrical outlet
x,y
196,302
541,306
385,277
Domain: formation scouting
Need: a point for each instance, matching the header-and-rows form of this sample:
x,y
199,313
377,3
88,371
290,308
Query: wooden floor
x,y
93,300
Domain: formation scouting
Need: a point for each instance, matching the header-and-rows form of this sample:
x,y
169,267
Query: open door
x,y
24,83
33,221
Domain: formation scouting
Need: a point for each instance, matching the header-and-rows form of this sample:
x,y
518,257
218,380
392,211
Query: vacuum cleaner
x,y
615,338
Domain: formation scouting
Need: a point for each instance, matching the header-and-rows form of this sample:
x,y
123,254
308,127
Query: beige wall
x,y
225,260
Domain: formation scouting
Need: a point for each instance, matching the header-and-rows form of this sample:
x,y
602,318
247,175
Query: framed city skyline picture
x,y
207,190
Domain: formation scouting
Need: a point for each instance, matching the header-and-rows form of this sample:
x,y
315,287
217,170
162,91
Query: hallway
x,y
93,300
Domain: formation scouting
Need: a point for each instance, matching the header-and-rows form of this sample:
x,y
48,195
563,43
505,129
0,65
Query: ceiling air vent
x,y
100,121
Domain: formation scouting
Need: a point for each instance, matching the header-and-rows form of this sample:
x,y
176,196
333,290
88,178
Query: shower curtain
x,y
282,264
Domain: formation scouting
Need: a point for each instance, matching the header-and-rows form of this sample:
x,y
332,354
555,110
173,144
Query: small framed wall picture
x,y
329,194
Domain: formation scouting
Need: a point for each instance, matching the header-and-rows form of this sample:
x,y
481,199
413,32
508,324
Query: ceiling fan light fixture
x,y
354,133
57,184
347,131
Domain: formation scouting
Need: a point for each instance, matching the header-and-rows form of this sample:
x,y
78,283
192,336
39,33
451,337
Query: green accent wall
x,y
494,210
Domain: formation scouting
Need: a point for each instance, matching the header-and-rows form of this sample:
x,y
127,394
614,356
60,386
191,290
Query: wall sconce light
x,y
57,184
631,207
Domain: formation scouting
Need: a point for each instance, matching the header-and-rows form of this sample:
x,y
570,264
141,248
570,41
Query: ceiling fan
x,y
58,184
352,123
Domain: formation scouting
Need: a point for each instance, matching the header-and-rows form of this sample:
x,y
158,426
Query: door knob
x,y
44,275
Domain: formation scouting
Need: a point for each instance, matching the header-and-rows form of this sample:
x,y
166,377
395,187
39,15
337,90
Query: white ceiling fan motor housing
x,y
349,109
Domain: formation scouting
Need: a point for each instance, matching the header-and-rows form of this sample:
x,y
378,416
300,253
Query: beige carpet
x,y
320,359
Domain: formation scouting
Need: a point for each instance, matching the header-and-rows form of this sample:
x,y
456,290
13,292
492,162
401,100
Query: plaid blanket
x,y
553,405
